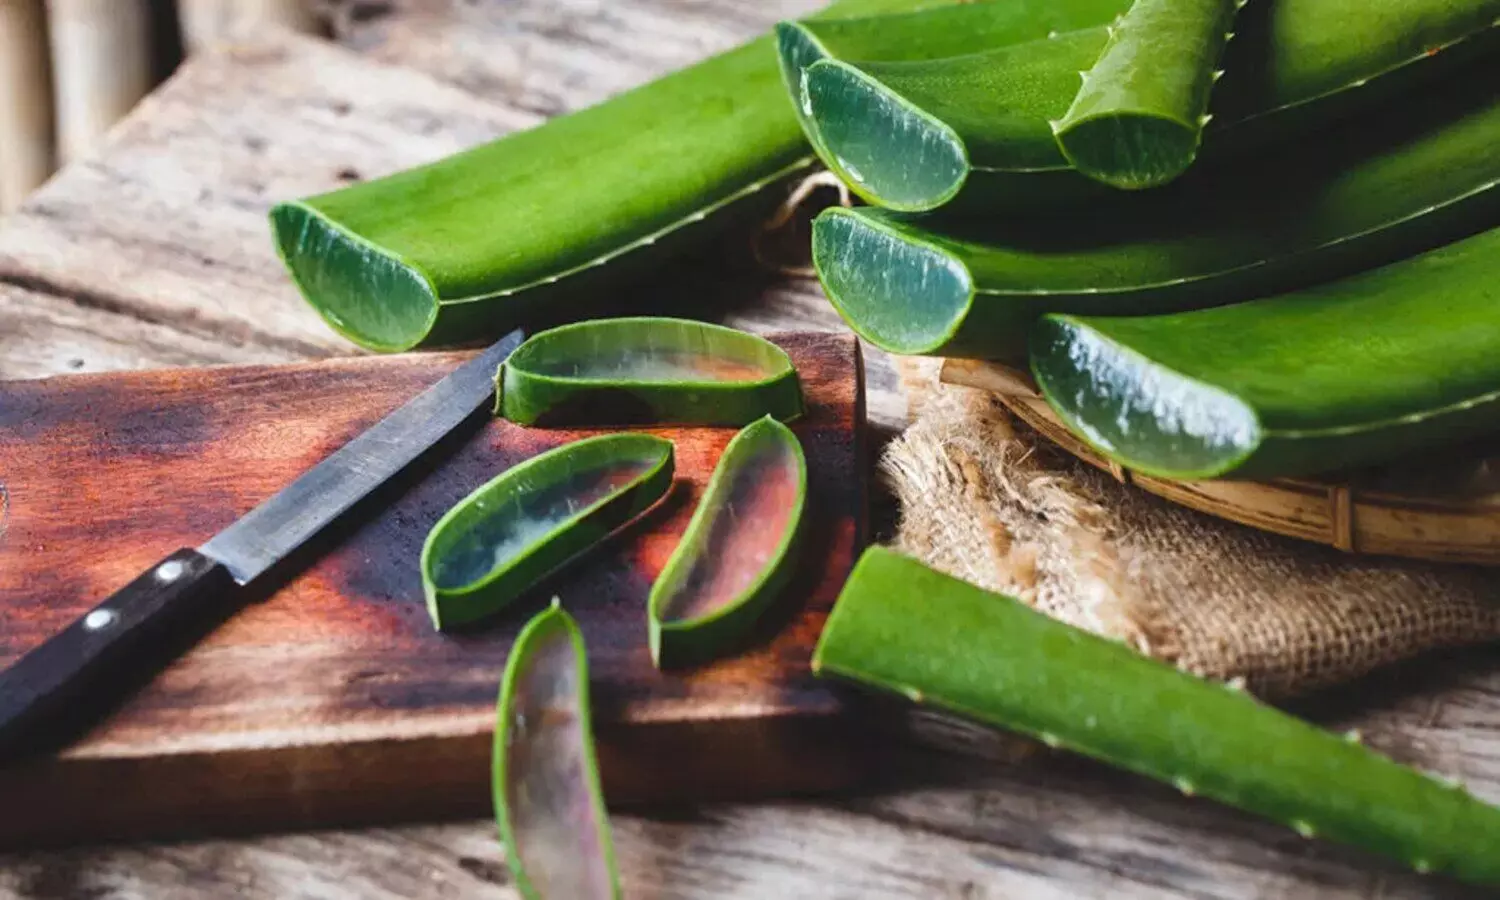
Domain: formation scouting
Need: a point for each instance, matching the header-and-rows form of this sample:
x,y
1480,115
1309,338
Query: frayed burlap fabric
x,y
984,499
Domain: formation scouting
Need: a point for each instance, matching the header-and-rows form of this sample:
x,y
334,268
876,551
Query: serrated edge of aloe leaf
x,y
786,377
498,768
1117,668
658,475
693,640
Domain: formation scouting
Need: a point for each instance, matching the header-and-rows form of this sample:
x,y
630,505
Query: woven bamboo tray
x,y
1443,507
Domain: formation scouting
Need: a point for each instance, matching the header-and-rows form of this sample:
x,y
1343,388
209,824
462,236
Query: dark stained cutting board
x,y
333,700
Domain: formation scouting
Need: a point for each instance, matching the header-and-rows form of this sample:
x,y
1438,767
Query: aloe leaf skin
x,y
1362,370
472,245
536,516
973,130
647,370
1365,194
901,627
738,552
548,801
1138,117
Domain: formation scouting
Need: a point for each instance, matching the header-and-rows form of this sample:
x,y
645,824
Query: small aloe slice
x,y
1361,196
902,627
974,129
622,371
546,782
538,515
1138,117
737,553
1363,370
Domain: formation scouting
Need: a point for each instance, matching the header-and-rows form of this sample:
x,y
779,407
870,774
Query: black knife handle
x,y
107,643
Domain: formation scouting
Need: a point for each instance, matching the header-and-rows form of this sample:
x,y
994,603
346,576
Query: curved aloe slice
x,y
616,371
914,136
546,782
736,555
505,536
1361,370
1139,115
475,243
1360,197
901,627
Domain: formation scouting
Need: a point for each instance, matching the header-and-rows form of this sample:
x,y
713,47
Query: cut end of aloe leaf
x,y
1129,152
890,151
546,783
366,294
1140,414
737,552
902,296
796,49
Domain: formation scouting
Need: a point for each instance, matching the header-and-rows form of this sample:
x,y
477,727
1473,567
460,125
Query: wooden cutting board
x,y
333,700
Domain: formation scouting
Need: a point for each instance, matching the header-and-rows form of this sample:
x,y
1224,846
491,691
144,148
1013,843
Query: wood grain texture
x,y
333,699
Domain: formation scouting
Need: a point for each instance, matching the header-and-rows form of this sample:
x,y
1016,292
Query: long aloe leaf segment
x,y
1375,190
1355,371
536,516
901,627
1138,117
546,781
479,242
738,552
647,370
915,136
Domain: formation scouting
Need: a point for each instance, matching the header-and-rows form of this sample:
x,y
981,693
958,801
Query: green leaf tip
x,y
545,779
647,370
536,516
738,553
901,627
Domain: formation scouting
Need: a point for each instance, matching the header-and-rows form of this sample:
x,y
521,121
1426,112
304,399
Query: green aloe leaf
x,y
738,551
476,243
899,626
647,370
546,781
974,129
536,516
1364,194
1356,371
1138,118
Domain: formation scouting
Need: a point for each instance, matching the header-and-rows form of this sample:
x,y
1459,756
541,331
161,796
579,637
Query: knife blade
x,y
112,639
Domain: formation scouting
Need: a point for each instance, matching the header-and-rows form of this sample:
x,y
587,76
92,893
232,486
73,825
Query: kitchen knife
x,y
114,639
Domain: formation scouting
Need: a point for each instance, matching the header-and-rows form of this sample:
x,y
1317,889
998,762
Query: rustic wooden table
x,y
155,253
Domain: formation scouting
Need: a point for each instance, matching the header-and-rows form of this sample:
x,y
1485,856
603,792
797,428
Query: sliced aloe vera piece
x,y
899,626
546,781
1138,117
536,516
1356,371
1363,195
915,136
618,371
476,243
738,551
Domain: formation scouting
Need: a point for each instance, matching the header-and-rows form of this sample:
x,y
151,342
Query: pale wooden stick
x,y
206,22
25,101
101,66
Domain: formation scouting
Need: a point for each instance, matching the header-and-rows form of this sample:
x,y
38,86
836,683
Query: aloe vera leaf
x,y
899,626
545,779
1362,370
536,516
1138,117
480,241
738,551
1369,192
974,129
618,371
954,28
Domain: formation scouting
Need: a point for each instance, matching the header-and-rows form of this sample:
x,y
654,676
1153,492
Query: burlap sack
x,y
984,499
